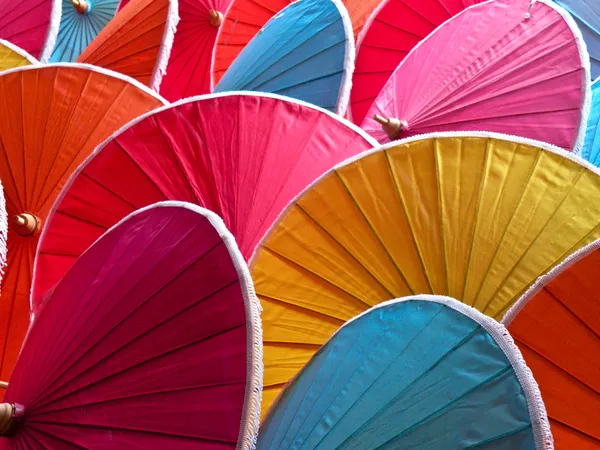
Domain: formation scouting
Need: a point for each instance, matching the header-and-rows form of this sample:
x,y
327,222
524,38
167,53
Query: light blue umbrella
x,y
591,147
305,52
80,23
587,16
425,372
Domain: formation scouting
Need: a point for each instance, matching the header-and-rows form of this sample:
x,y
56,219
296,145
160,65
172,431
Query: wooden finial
x,y
10,413
392,127
3,385
25,224
216,18
81,6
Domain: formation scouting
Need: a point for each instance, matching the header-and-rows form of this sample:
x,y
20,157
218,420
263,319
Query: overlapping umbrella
x,y
591,147
12,56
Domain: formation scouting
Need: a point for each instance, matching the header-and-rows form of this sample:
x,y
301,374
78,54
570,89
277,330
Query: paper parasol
x,y
474,216
422,372
492,68
591,148
12,56
305,52
151,340
51,118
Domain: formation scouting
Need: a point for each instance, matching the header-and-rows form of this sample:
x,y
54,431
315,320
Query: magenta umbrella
x,y
151,340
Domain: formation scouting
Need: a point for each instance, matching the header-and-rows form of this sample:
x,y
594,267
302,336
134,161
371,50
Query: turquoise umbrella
x,y
591,147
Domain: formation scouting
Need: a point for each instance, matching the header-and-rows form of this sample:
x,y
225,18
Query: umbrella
x,y
152,340
392,31
305,52
242,156
245,18
188,70
32,26
137,42
591,148
51,118
12,56
422,372
475,216
80,23
587,16
489,69
556,325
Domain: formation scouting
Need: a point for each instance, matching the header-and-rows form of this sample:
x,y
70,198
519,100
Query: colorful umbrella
x,y
12,56
137,42
591,148
392,31
32,25
422,372
492,68
51,118
556,325
189,68
80,23
474,216
245,18
152,340
587,16
305,52
243,156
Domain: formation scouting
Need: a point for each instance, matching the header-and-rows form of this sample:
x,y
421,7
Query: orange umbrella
x,y
137,42
246,17
51,118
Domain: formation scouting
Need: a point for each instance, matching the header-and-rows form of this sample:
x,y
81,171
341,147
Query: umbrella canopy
x,y
305,52
587,16
474,216
556,325
152,340
591,148
80,23
245,18
137,42
243,156
422,372
51,118
32,26
489,69
188,71
12,56
392,31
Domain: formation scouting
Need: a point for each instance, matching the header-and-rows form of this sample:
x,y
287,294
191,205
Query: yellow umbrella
x,y
475,216
12,56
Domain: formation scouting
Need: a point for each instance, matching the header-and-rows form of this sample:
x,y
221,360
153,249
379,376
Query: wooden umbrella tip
x,y
81,6
392,126
216,18
25,224
10,413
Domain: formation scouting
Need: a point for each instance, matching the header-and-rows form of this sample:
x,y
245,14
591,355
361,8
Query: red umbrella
x,y
151,340
241,155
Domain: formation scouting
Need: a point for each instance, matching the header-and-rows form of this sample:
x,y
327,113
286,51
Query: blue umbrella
x,y
305,52
425,372
591,147
80,23
587,16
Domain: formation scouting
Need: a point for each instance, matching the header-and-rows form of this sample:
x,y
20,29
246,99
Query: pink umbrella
x,y
392,31
32,25
510,66
241,155
151,340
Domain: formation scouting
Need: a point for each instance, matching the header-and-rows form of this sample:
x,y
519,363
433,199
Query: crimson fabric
x,y
242,156
26,24
190,63
558,332
390,33
143,343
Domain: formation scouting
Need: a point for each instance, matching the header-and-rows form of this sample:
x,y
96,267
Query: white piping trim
x,y
19,51
90,68
254,367
581,47
442,134
3,233
546,279
130,124
53,26
343,97
164,53
535,404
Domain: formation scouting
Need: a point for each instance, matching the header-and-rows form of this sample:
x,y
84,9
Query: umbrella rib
x,y
339,321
